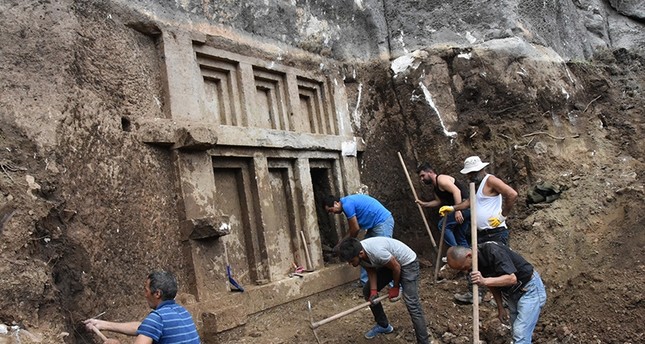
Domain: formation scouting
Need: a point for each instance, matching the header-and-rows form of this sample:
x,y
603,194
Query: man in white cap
x,y
494,200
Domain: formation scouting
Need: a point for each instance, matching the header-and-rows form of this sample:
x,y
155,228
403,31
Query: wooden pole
x,y
311,319
347,312
443,232
228,283
473,240
98,333
414,192
307,256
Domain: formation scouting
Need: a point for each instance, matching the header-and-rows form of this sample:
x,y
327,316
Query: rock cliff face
x,y
366,29
544,90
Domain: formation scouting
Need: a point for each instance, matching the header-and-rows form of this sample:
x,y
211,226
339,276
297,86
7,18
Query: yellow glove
x,y
496,221
445,210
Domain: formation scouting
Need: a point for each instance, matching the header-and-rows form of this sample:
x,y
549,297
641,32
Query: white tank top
x,y
487,206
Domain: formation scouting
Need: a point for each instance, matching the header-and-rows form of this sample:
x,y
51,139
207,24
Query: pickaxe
x,y
315,325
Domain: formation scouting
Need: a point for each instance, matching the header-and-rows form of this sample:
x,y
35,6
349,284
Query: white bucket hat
x,y
473,164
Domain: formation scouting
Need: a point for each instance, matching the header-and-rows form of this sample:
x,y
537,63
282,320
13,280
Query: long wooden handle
x,y
443,233
473,240
307,256
414,192
228,283
98,333
347,312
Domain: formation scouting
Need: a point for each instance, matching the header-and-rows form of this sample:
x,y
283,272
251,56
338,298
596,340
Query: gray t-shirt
x,y
379,250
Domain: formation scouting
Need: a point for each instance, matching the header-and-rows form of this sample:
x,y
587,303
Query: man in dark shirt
x,y
507,274
447,191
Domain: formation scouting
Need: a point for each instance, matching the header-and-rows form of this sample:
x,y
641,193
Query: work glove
x,y
497,220
373,297
445,210
393,294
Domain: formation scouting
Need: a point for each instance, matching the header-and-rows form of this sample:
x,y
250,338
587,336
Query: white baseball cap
x,y
473,164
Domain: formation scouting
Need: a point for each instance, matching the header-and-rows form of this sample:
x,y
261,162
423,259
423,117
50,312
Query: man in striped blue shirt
x,y
167,323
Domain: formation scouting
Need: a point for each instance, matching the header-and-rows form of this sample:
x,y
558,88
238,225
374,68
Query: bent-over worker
x,y
363,212
508,274
388,260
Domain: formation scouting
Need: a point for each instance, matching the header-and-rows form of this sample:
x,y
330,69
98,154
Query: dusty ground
x,y
87,184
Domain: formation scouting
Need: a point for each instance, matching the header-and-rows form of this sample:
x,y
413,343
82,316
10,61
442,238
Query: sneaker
x,y
467,297
377,329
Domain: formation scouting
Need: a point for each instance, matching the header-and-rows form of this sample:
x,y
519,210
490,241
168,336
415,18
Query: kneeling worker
x,y
385,260
505,273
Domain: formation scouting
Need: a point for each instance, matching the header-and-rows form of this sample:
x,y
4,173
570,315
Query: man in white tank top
x,y
494,198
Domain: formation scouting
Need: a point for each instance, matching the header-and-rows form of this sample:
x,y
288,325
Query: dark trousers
x,y
498,235
410,289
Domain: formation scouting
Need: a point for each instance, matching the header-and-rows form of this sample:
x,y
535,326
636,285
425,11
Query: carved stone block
x,y
203,228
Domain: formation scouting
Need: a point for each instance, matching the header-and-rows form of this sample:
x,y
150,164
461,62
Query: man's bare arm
x,y
463,205
509,195
127,328
354,228
141,339
430,204
394,265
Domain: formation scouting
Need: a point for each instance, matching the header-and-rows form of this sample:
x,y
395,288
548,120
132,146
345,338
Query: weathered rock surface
x,y
366,29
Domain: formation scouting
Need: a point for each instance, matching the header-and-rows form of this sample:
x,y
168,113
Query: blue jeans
x,y
456,234
410,289
524,308
383,229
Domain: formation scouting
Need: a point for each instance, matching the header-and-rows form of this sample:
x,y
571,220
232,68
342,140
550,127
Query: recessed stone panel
x,y
221,89
314,106
271,100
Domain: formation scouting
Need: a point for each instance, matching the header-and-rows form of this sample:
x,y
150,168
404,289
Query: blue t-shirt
x,y
368,211
169,323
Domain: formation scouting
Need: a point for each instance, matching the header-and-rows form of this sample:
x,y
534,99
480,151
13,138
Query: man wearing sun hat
x,y
494,200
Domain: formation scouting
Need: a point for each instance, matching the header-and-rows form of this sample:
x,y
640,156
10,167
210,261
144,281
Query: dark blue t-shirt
x,y
368,211
169,323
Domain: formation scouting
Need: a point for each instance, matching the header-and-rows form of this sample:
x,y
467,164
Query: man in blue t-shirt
x,y
363,213
168,322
